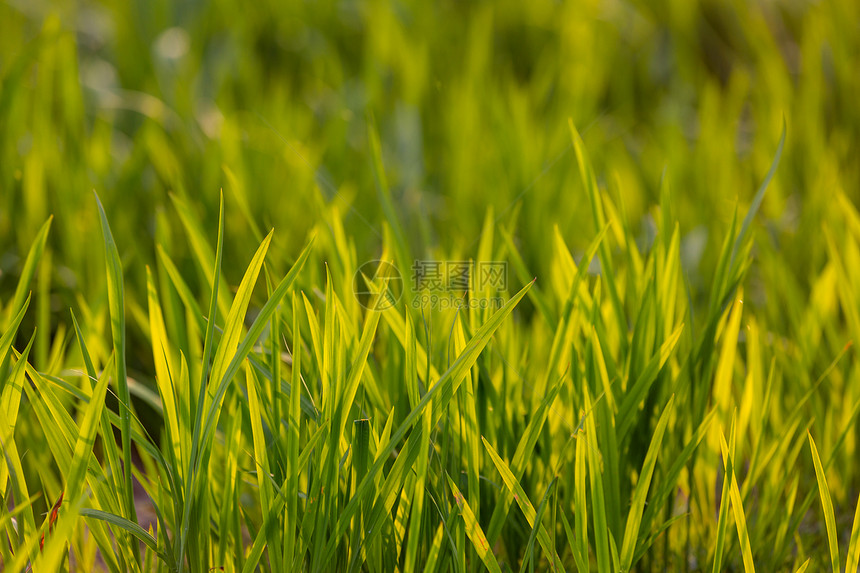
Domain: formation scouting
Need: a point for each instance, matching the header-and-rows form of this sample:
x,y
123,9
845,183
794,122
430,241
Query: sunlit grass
x,y
666,380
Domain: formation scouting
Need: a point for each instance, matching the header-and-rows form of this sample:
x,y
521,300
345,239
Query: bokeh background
x,y
160,106
270,101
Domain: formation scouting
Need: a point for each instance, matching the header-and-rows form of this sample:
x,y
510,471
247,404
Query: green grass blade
x,y
738,510
474,531
22,289
529,558
640,493
853,562
826,505
86,438
442,391
198,398
522,499
116,297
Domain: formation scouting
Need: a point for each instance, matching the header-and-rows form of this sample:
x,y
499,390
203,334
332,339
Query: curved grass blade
x,y
826,505
27,273
526,507
853,563
442,391
738,509
529,558
474,531
637,505
116,297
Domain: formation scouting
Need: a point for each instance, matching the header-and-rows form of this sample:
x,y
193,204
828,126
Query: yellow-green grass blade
x,y
87,431
810,496
12,469
421,470
598,499
513,486
315,333
604,420
435,548
826,506
61,435
133,528
198,396
390,489
590,184
230,528
639,390
738,509
236,317
442,391
350,386
853,561
474,531
164,379
291,520
725,497
262,465
469,436
572,542
22,289
91,377
203,252
640,493
11,331
182,288
10,397
580,499
253,334
116,297
561,339
529,559
669,481
331,338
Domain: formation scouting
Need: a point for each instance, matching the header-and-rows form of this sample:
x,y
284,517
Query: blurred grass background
x,y
158,106
140,100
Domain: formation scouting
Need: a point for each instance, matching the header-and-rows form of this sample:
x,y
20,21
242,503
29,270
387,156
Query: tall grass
x,y
666,381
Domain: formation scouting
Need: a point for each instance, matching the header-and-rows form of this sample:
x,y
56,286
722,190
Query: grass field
x,y
377,286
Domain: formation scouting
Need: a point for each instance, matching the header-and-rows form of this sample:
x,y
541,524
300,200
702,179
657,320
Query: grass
x,y
665,380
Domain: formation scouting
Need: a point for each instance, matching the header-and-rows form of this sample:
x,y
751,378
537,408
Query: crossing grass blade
x,y
34,255
738,509
529,557
826,505
637,504
442,391
116,296
526,507
853,561
474,531
198,396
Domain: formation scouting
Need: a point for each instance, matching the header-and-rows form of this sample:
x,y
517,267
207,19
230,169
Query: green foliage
x,y
672,188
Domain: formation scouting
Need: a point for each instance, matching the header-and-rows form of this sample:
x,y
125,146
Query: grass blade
x,y
826,505
116,297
